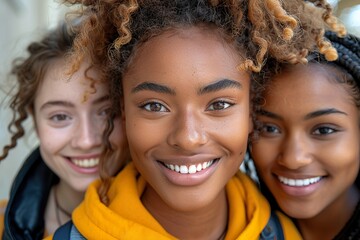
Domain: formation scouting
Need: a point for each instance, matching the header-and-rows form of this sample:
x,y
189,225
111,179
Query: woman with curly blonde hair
x,y
69,115
179,72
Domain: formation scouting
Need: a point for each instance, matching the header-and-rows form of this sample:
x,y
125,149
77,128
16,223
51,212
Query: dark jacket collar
x,y
24,215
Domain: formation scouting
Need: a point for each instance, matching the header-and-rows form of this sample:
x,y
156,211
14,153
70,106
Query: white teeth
x,y
86,163
298,182
192,169
204,165
183,169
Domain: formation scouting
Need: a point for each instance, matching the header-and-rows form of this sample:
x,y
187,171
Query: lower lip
x,y
189,179
300,191
82,170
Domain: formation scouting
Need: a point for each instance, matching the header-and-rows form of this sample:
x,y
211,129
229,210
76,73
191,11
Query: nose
x,y
87,135
295,152
188,132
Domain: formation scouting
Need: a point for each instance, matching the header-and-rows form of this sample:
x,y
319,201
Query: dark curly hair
x,y
345,70
346,67
112,30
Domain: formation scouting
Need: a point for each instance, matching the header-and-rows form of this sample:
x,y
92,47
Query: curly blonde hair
x,y
29,72
112,30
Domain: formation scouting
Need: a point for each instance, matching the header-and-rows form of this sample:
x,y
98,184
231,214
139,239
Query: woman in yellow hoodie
x,y
182,69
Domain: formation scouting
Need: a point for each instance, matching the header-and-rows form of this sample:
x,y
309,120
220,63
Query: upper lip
x,y
297,173
82,157
187,160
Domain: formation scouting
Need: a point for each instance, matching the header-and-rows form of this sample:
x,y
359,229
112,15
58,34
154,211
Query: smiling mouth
x,y
190,169
86,163
299,182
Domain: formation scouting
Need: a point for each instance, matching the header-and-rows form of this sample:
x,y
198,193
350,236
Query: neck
x,y
68,198
210,222
328,223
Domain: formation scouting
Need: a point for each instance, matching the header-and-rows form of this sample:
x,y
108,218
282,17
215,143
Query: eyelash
x,y
318,129
269,129
60,118
147,106
105,111
223,103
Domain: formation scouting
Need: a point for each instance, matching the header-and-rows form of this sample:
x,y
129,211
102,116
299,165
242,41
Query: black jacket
x,y
24,215
351,231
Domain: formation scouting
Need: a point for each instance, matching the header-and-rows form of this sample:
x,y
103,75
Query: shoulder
x,y
3,204
49,237
247,183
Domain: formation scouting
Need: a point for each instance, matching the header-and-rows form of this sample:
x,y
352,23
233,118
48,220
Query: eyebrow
x,y
56,103
71,105
265,113
149,86
213,87
219,85
101,99
323,112
308,116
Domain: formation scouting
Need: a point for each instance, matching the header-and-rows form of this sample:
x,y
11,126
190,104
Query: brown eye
x,y
324,131
60,117
155,107
270,129
220,105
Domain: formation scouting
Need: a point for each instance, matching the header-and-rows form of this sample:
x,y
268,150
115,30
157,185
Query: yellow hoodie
x,y
127,218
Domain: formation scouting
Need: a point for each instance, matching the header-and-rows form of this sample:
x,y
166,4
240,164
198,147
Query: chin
x,y
81,186
297,212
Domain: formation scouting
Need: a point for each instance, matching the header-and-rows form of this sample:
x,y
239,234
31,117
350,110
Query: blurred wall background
x,y
22,21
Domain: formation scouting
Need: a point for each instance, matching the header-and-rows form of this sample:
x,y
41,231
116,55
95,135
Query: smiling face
x,y
69,128
187,116
308,150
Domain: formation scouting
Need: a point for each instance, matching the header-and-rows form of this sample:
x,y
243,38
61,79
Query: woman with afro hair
x,y
179,72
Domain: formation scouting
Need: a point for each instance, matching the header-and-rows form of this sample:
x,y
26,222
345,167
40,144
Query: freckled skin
x,y
182,123
298,145
68,126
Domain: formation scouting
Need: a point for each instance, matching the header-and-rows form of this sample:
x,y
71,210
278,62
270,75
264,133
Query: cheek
x,y
142,135
263,154
46,137
49,147
235,132
53,140
344,155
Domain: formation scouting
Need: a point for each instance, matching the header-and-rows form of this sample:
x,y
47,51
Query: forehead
x,y
306,87
57,84
190,53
